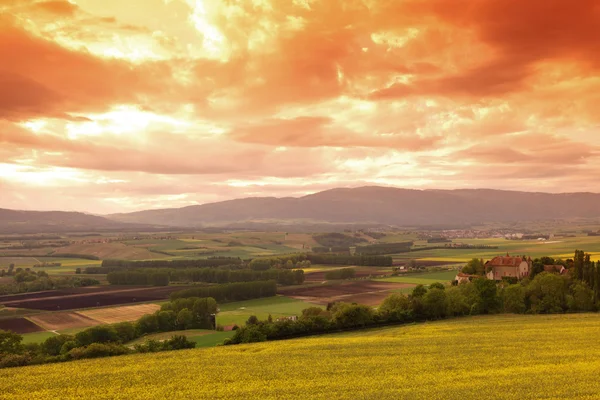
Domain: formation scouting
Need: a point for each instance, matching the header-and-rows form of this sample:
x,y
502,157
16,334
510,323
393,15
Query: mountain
x,y
380,205
16,221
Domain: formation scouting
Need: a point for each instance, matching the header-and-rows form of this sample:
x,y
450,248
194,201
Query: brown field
x,y
19,325
63,320
361,273
364,292
120,314
58,300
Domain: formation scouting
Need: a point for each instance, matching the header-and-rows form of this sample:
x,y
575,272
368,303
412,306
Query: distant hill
x,y
377,206
15,221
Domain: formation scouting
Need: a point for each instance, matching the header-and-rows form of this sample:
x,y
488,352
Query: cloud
x,y
40,78
171,103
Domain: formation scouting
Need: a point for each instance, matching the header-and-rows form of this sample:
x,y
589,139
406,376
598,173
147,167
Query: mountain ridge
x,y
382,205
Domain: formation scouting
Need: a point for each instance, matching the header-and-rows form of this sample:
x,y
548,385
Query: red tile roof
x,y
506,261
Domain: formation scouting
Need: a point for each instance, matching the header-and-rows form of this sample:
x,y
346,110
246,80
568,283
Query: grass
x,y
211,340
557,247
497,357
425,278
37,337
9,312
278,306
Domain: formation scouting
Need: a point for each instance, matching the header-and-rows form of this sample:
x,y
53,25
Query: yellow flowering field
x,y
496,357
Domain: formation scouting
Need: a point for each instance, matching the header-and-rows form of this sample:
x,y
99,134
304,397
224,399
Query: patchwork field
x,y
113,315
319,276
88,297
363,292
558,247
19,325
279,306
202,337
425,278
63,320
443,360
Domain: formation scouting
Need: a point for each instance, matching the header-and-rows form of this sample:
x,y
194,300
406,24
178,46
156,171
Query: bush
x,y
343,273
352,315
97,334
249,334
96,350
125,331
14,360
513,299
178,342
53,345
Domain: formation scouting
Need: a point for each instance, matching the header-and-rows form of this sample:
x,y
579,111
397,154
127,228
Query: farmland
x,y
425,278
88,297
364,292
432,360
279,306
113,315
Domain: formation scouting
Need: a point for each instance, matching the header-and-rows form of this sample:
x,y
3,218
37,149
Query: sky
x,y
122,105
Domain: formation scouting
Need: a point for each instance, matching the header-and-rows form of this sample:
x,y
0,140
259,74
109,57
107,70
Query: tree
x,y
97,334
582,297
437,285
78,270
456,302
487,292
353,315
10,342
125,331
249,334
146,324
166,320
53,345
435,303
185,319
252,320
419,291
474,267
178,342
513,297
547,293
395,307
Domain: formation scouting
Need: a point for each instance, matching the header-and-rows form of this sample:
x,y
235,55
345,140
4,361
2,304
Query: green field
x,y
495,357
279,306
37,337
202,337
68,265
425,278
558,247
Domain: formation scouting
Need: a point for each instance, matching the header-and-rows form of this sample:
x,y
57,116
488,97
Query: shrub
x,y
96,350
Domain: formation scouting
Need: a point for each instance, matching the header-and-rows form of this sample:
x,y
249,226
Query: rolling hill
x,y
497,357
16,221
380,205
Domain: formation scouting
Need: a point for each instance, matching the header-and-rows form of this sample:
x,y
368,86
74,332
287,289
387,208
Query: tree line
x,y
231,291
290,261
342,259
163,276
26,281
341,273
546,293
199,263
111,340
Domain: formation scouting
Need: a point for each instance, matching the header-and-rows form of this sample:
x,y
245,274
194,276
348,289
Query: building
x,y
464,278
508,267
555,269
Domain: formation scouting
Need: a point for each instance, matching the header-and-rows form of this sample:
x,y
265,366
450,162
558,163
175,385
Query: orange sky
x,y
121,105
